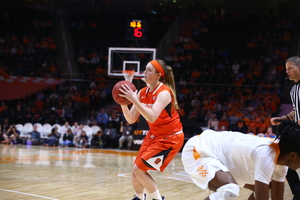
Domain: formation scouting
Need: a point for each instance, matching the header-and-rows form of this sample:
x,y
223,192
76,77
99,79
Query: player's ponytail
x,y
288,134
169,80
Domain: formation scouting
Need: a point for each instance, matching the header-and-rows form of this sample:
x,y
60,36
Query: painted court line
x,y
27,194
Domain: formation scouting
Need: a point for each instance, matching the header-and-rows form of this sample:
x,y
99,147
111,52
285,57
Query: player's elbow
x,y
152,119
132,120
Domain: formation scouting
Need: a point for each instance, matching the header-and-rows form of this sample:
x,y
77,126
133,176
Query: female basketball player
x,y
157,104
224,161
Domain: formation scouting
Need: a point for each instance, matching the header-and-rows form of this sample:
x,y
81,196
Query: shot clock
x,y
136,30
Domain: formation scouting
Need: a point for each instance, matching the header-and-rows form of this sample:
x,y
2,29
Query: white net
x,y
128,75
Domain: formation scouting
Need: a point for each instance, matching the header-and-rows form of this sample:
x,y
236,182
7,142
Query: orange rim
x,y
129,72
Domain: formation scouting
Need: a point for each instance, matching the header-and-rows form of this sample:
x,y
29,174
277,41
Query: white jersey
x,y
246,157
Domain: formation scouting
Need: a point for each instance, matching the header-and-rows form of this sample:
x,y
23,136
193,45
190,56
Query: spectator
x,y
35,136
28,115
82,140
233,119
126,130
223,123
109,136
68,107
193,115
12,136
195,103
269,133
61,114
53,137
92,119
68,138
76,129
102,118
18,114
213,122
53,116
5,125
242,126
65,128
115,119
235,68
97,140
82,59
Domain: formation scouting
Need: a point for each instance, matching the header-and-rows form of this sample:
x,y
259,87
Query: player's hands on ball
x,y
127,93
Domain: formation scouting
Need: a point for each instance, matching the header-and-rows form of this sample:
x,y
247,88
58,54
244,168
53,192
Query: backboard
x,y
133,59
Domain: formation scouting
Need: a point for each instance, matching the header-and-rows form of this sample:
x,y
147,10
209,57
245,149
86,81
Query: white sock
x,y
140,196
156,195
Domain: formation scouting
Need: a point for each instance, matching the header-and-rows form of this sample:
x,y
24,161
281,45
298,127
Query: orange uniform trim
x,y
275,146
196,154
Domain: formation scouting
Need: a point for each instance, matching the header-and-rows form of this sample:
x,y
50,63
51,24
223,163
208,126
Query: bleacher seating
x,y
27,128
46,130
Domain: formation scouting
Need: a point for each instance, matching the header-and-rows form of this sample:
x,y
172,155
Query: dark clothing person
x,y
67,139
110,136
35,137
53,138
97,140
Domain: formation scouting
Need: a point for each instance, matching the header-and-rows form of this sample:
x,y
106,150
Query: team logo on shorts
x,y
158,160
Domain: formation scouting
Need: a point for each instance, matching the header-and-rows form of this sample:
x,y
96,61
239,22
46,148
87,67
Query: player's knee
x,y
226,192
137,171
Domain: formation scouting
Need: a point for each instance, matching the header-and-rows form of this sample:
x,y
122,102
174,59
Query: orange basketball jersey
x,y
168,121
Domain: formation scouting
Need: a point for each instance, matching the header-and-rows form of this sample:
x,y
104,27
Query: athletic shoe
x,y
136,198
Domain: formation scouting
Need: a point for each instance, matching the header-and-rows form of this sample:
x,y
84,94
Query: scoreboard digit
x,y
136,30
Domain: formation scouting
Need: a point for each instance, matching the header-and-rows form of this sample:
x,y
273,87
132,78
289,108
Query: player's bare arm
x,y
131,115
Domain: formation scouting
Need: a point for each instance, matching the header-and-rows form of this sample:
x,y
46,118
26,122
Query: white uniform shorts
x,y
200,164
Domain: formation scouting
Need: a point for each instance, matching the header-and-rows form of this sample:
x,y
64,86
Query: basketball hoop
x,y
128,75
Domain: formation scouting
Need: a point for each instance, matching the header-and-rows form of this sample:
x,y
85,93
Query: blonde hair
x,y
294,59
169,80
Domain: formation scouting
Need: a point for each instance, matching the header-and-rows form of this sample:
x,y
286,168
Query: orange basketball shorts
x,y
157,152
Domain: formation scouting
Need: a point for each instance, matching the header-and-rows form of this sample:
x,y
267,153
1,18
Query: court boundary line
x,y
27,194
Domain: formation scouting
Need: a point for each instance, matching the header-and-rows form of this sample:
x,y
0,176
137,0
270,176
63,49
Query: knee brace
x,y
229,191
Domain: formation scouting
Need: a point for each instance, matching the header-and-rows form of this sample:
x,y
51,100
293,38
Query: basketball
x,y
115,92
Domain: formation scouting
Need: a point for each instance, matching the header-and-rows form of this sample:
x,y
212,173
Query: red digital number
x,y
137,32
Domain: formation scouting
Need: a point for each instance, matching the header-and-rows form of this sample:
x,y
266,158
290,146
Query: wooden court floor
x,y
37,173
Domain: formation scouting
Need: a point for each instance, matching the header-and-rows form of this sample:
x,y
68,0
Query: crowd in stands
x,y
226,83
223,83
27,47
